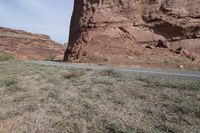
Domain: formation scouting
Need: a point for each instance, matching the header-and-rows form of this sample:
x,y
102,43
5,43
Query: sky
x,y
50,17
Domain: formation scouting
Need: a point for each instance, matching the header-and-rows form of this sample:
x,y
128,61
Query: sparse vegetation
x,y
177,84
51,58
73,74
60,100
12,85
19,99
8,115
116,128
31,107
109,73
88,69
6,57
10,81
54,94
60,125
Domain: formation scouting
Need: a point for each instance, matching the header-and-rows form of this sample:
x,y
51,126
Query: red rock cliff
x,y
121,31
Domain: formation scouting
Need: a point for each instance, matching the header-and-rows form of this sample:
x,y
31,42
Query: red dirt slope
x,y
24,45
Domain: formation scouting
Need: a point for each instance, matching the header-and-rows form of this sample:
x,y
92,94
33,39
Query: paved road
x,y
161,72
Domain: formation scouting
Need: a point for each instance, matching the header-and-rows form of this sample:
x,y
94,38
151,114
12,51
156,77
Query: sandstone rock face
x,y
117,30
26,45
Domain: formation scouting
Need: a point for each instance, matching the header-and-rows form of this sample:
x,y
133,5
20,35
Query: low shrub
x,y
6,57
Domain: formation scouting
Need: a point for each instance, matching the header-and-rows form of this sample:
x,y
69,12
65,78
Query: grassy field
x,y
47,99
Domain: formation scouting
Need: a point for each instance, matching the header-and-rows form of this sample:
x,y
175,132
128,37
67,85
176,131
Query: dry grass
x,y
59,100
110,73
176,84
73,74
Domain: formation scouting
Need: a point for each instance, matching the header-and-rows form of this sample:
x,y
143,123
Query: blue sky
x,y
50,17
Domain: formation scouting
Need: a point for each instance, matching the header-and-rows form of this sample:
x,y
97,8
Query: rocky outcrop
x,y
115,31
26,45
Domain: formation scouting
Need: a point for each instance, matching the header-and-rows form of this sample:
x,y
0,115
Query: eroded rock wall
x,y
103,30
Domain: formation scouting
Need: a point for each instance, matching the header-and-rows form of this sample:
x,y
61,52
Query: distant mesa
x,y
25,45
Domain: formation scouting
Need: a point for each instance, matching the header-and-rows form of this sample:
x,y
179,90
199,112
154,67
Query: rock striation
x,y
126,31
26,45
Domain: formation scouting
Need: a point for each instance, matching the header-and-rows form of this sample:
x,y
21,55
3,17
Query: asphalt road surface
x,y
143,71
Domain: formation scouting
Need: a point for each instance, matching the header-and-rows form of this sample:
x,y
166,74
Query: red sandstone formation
x,y
128,31
26,45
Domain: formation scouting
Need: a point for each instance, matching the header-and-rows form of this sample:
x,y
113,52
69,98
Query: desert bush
x,y
51,58
6,57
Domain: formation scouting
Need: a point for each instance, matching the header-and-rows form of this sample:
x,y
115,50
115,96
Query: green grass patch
x,y
9,115
10,81
6,57
12,84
